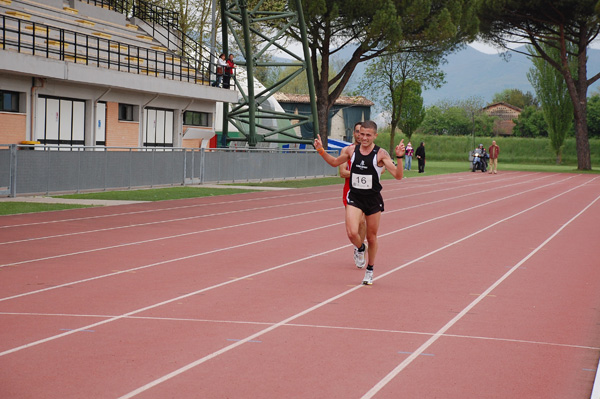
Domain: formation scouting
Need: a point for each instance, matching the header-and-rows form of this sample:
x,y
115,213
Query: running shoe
x,y
368,280
359,257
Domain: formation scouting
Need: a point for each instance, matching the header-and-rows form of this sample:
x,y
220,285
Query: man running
x,y
359,253
364,197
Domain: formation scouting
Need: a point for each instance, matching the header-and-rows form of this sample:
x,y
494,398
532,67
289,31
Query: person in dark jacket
x,y
420,154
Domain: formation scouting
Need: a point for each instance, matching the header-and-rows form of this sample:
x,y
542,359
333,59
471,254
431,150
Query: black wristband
x,y
402,157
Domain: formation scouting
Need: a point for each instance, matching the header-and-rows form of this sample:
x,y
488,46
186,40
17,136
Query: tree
x,y
194,19
530,123
458,118
413,112
474,108
593,115
299,85
434,122
551,89
516,98
553,24
452,120
391,79
372,28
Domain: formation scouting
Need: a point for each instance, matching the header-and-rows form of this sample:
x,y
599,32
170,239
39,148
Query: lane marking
x,y
232,339
420,354
596,387
218,202
392,374
175,208
239,211
267,239
344,328
410,358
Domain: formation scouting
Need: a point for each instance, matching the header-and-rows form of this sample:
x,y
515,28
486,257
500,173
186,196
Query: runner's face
x,y
367,136
357,134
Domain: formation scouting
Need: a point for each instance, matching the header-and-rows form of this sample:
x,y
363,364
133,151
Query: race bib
x,y
362,182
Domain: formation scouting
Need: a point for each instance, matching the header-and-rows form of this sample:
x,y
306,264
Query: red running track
x,y
485,287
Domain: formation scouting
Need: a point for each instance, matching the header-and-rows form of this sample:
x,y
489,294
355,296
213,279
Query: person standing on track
x,y
494,151
359,253
364,197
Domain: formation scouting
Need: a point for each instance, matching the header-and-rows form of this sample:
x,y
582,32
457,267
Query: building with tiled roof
x,y
345,112
505,114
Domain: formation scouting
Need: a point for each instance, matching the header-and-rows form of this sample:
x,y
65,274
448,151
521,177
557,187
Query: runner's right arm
x,y
330,159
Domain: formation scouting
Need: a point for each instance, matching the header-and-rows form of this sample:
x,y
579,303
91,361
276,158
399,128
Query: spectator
x,y
221,65
420,154
408,157
228,72
494,151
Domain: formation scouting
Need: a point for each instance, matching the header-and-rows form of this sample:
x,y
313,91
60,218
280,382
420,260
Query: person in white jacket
x,y
221,65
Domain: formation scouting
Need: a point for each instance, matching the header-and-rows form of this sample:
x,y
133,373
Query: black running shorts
x,y
369,204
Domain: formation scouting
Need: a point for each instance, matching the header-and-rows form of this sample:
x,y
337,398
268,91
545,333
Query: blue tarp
x,y
336,144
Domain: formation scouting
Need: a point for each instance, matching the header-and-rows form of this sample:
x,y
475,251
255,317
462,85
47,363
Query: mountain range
x,y
472,73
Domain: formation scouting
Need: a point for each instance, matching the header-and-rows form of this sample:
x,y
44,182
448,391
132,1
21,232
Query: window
x,y
9,101
193,118
158,127
125,112
60,121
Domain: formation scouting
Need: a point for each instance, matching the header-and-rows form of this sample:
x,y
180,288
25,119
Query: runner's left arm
x,y
396,171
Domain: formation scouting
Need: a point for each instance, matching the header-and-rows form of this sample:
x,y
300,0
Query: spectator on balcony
x,y
228,72
221,65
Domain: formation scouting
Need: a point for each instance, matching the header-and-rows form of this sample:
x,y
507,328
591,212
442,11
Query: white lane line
x,y
174,208
125,315
392,374
325,327
191,257
332,299
255,222
596,388
76,233
271,238
220,203
325,189
228,213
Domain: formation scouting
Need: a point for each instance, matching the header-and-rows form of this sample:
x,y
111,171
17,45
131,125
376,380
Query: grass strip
x,y
11,208
156,194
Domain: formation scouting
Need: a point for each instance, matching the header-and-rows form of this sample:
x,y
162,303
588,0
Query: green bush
x,y
512,149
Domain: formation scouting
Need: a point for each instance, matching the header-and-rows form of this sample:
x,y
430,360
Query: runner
x,y
359,255
364,198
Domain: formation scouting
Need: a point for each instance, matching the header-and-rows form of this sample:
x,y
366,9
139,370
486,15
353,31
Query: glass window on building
x,y
193,118
126,112
9,101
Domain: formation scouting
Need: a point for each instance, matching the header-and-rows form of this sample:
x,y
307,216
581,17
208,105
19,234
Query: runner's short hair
x,y
369,125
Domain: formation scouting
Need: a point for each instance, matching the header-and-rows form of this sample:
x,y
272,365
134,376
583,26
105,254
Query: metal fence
x,y
27,170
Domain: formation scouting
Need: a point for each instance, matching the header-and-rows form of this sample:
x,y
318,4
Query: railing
x,y
160,17
63,44
53,169
155,15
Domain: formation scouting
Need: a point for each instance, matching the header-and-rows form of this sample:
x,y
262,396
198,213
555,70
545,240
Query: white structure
x,y
84,74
